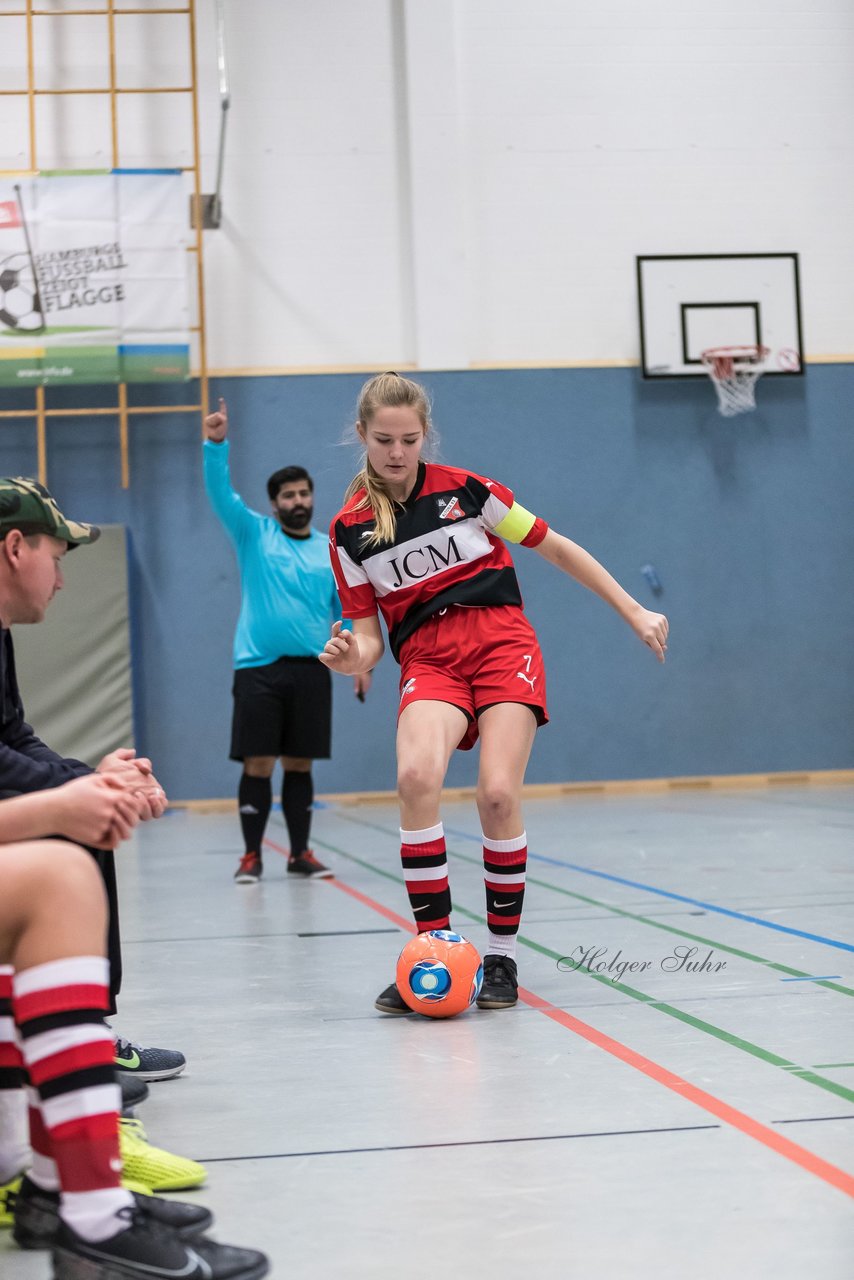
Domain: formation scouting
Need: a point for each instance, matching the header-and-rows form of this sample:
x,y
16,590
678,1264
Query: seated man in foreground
x,y
54,979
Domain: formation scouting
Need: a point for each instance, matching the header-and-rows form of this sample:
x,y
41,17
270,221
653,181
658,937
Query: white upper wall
x,y
452,182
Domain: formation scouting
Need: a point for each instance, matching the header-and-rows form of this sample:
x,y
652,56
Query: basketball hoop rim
x,y
722,362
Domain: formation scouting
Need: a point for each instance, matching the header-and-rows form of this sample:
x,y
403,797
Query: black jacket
x,y
26,763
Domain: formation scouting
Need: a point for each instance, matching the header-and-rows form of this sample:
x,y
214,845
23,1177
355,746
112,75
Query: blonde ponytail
x,y
379,502
384,390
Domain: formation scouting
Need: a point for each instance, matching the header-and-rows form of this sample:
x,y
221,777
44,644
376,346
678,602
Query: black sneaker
x,y
249,869
500,987
37,1218
307,866
391,1001
147,1064
147,1249
133,1091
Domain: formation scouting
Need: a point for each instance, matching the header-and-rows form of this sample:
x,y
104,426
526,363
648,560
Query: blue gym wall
x,y
747,521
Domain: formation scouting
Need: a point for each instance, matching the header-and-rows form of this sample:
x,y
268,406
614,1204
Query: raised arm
x,y
651,628
352,652
216,424
227,504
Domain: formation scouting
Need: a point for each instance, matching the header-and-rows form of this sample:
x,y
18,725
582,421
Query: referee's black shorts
x,y
283,709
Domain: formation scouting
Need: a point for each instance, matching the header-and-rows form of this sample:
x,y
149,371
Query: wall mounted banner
x,y
93,278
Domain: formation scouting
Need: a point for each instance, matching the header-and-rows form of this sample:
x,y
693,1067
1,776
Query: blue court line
x,y
821,978
665,893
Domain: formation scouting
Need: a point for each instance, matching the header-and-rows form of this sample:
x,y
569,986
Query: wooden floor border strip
x,y
567,790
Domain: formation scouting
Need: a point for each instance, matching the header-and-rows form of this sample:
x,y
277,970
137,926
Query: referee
x,y
282,693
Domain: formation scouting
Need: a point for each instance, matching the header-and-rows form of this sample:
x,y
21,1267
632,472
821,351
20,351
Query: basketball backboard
x,y
691,302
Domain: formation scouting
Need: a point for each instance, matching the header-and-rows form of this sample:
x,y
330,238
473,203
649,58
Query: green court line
x,y
633,915
681,933
826,1065
73,173
36,337
726,1037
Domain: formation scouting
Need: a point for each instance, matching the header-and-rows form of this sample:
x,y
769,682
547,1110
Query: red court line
x,y
407,925
806,1160
746,1124
279,848
375,906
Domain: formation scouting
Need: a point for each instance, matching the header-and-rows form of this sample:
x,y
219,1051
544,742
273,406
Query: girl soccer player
x,y
422,543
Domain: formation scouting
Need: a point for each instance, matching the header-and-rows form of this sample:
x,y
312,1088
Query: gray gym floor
x,y
670,1123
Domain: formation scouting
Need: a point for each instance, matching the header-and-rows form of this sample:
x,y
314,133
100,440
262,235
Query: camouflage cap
x,y
26,505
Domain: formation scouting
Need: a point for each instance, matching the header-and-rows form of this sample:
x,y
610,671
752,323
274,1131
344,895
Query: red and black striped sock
x,y
44,1172
68,1052
504,863
14,1142
12,1074
24,1143
425,870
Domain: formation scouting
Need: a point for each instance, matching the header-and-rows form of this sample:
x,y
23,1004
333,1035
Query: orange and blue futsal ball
x,y
439,973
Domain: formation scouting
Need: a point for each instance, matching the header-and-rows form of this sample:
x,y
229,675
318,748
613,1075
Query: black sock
x,y
297,799
254,797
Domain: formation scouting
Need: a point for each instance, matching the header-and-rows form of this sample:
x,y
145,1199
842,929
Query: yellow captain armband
x,y
516,525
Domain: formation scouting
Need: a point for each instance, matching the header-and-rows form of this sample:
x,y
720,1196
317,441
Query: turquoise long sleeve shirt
x,y
288,595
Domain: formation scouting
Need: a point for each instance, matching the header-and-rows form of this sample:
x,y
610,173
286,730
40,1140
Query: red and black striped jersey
x,y
445,551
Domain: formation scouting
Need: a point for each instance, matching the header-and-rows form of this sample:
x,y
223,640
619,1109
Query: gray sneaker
x,y
147,1064
134,1091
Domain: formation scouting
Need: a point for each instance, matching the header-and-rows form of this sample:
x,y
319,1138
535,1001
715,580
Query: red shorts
x,y
473,658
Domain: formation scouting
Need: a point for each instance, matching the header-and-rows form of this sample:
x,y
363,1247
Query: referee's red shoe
x,y
307,866
249,869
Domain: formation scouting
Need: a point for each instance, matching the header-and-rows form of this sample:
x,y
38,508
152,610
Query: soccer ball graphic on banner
x,y
439,973
20,307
